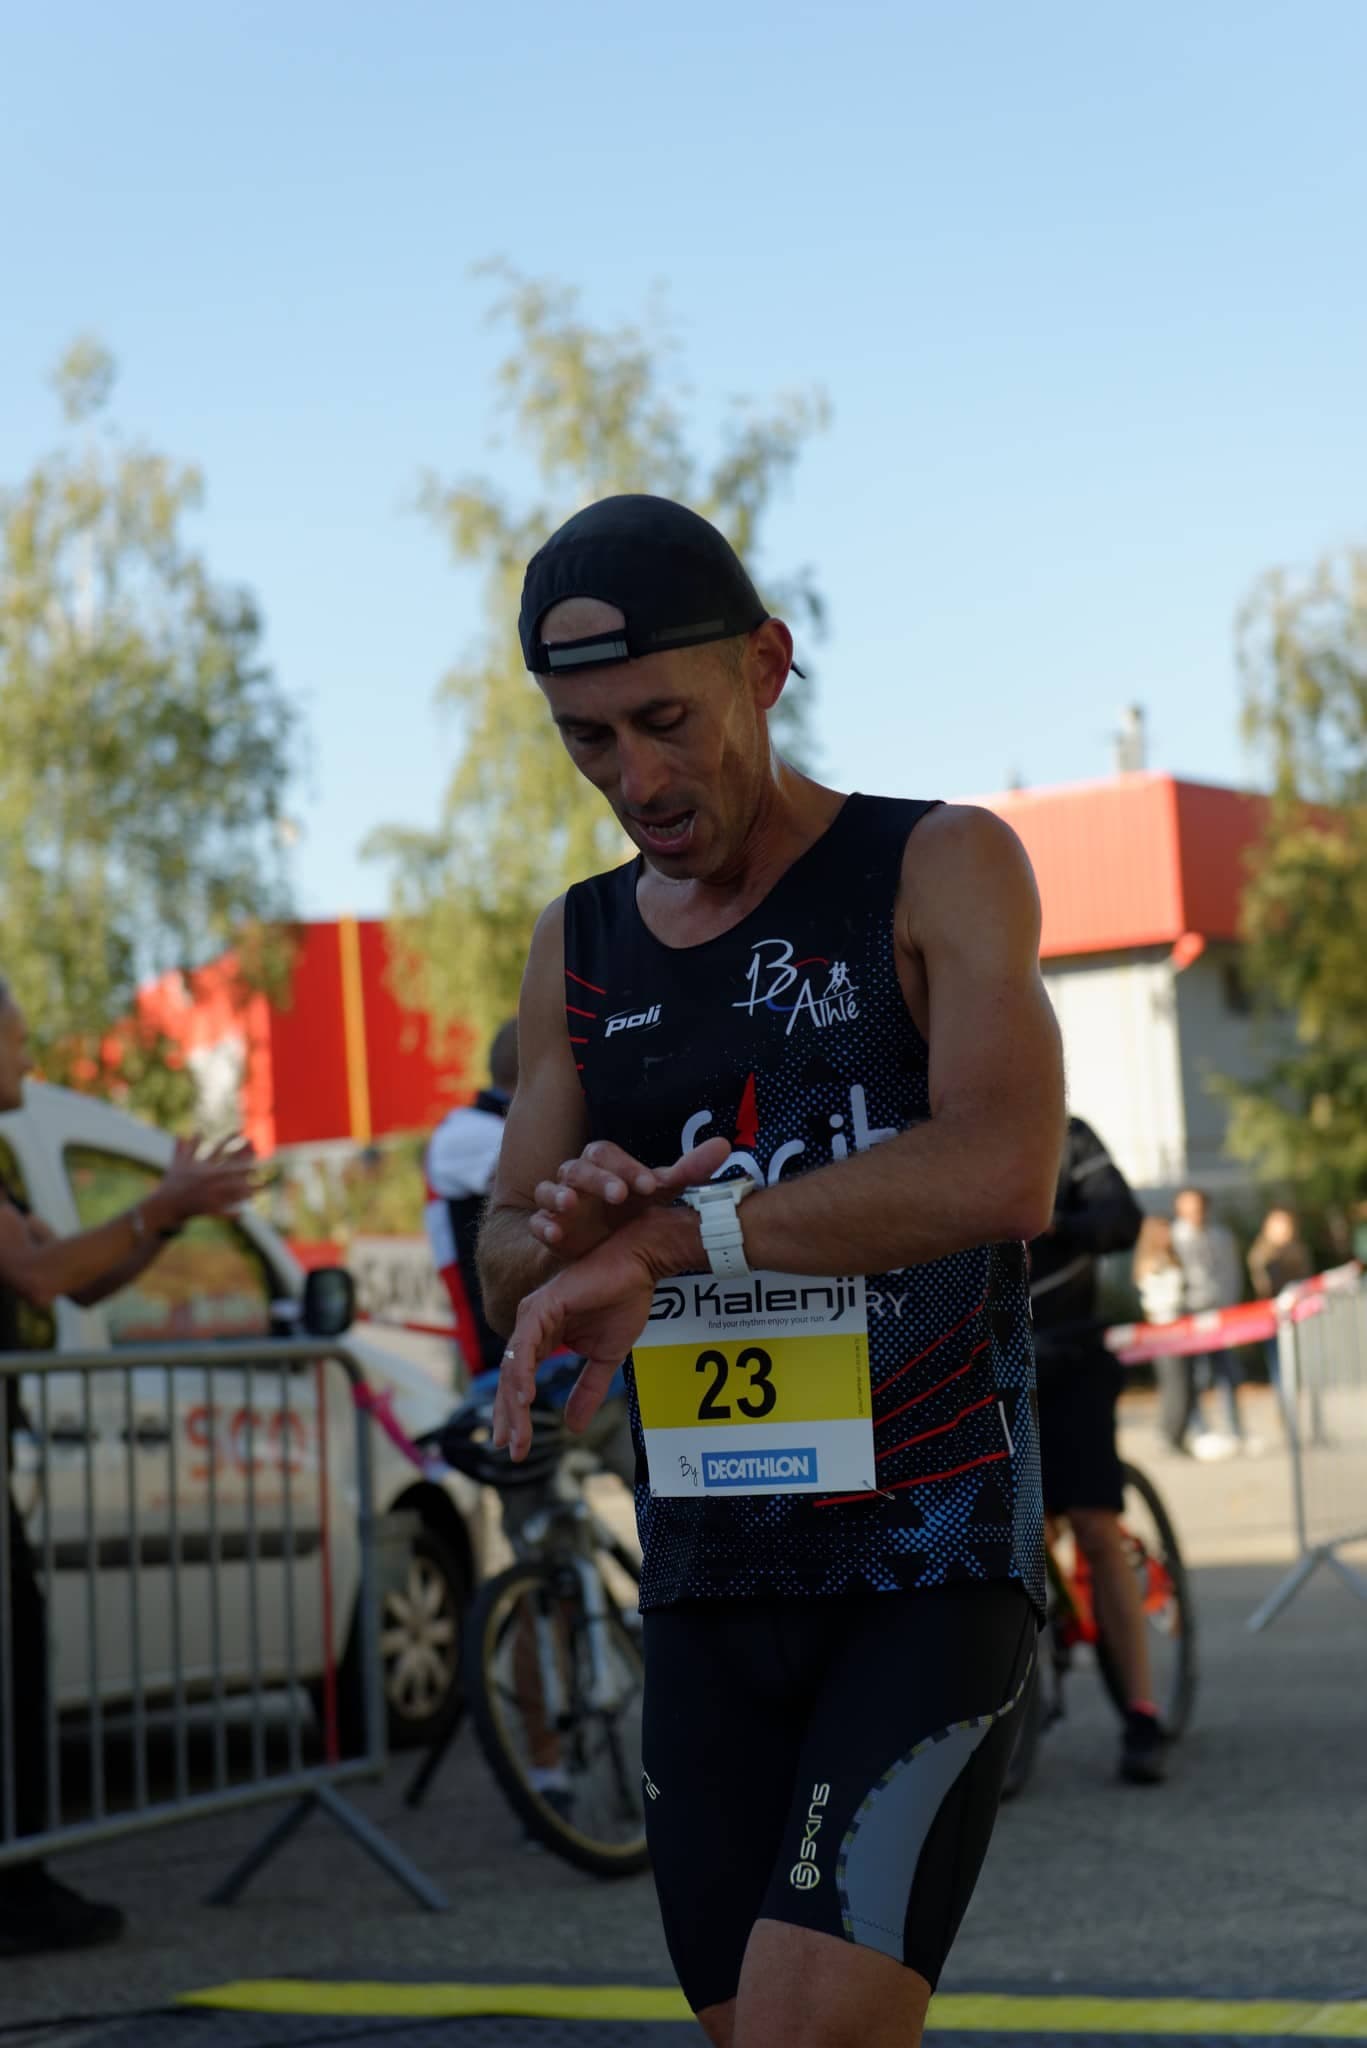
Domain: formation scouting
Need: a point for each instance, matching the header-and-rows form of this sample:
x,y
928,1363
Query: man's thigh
x,y
724,1720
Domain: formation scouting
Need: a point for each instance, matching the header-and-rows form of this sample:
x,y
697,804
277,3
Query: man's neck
x,y
792,815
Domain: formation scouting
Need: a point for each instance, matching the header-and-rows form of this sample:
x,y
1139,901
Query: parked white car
x,y
260,1433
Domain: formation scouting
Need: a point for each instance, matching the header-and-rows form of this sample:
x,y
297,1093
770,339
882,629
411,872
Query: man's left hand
x,y
597,1307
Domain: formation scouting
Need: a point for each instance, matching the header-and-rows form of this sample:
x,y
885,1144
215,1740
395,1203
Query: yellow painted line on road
x,y
954,2012
999,2013
449,2001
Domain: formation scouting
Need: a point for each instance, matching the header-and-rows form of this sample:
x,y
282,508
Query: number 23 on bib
x,y
756,1385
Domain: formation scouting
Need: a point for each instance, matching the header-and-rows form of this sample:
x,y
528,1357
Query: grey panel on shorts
x,y
879,1855
880,1852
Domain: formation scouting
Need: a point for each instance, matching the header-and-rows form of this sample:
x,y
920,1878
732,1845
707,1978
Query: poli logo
x,y
759,1468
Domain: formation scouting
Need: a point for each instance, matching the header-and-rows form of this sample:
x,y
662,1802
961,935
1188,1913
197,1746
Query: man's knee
x,y
801,1989
1095,1530
718,2022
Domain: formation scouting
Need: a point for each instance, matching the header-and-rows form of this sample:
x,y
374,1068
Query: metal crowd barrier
x,y
174,1519
1322,1353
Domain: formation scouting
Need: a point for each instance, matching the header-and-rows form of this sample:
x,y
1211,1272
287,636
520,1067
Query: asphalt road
x,y
1244,1877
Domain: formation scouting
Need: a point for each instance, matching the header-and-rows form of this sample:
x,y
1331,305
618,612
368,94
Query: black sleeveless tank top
x,y
789,1035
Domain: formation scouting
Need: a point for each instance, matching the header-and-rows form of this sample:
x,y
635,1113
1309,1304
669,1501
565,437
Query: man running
x,y
819,1021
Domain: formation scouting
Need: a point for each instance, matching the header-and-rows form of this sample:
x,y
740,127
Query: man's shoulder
x,y
967,839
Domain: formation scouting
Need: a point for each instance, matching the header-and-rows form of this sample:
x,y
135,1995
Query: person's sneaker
x,y
37,1914
1211,1446
1142,1747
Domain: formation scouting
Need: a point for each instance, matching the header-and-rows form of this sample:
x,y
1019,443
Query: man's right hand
x,y
223,1179
595,1194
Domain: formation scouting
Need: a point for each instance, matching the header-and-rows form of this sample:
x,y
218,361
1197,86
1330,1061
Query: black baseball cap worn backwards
x,y
676,581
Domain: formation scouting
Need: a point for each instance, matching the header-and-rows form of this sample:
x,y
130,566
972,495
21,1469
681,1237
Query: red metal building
x,y
341,1060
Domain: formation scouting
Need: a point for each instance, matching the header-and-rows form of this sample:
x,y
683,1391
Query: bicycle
x,y
552,1663
1152,1546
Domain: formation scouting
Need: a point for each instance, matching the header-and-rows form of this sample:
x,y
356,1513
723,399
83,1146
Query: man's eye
x,y
584,736
667,724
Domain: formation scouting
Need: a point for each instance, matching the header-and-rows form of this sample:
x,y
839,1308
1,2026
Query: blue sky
x,y
1083,284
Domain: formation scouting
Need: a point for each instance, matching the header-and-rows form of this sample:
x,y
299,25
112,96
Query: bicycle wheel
x,y
555,1698
1033,1712
1152,1545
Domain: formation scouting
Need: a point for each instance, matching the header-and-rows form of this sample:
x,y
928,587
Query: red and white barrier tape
x,y
1216,1329
1221,1329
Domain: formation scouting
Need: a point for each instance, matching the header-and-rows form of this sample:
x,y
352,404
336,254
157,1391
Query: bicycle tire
x,y
1175,1711
492,1611
1033,1713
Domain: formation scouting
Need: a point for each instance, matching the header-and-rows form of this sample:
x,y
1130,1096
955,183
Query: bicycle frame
x,y
1073,1601
569,1533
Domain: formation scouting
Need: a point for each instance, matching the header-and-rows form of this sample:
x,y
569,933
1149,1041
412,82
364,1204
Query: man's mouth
x,y
671,834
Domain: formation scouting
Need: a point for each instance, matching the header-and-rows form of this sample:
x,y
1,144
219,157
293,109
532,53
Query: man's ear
x,y
767,662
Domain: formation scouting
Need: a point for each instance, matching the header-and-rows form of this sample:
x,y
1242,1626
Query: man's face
x,y
675,742
1191,1208
14,1056
1280,1227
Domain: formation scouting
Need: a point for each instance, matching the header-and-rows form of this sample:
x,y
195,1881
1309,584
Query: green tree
x,y
1303,657
145,752
598,410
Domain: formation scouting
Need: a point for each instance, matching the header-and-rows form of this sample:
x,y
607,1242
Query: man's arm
x,y
40,1266
547,1123
539,1219
122,1275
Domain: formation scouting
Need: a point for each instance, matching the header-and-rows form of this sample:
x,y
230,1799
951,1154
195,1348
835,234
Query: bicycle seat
x,y
464,1442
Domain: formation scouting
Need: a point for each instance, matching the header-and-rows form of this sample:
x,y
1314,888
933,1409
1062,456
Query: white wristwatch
x,y
718,1204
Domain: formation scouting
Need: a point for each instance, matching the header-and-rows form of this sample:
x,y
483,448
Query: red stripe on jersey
x,y
943,1338
940,1429
836,1500
938,1388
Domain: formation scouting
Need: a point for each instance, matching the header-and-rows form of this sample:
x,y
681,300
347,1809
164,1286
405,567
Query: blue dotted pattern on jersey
x,y
950,1353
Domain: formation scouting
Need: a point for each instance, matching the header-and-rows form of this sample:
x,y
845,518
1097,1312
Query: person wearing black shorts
x,y
789,1104
1079,1382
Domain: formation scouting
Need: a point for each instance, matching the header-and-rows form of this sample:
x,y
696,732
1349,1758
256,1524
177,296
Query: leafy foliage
x,y
599,411
1303,654
145,757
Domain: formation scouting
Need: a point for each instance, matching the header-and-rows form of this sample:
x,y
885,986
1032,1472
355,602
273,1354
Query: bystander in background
x,y
37,1913
1214,1279
1277,1258
1162,1285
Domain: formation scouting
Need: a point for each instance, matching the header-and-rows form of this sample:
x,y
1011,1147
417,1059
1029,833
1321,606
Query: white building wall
x,y
1218,1033
1118,1017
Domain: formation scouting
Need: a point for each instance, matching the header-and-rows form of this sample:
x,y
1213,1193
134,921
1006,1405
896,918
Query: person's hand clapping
x,y
212,1183
594,1195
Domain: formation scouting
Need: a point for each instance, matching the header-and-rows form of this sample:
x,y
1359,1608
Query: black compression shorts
x,y
835,1764
1079,1462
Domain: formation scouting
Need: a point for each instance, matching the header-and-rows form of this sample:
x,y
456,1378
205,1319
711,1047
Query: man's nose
x,y
640,771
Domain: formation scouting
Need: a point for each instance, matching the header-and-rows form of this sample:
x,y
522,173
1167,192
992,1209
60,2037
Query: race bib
x,y
758,1385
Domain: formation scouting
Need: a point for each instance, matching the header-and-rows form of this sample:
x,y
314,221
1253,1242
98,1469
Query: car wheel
x,y
421,1621
424,1590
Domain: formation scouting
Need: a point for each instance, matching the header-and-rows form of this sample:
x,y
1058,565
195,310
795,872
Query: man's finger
x,y
600,1181
618,1164
698,1165
589,1393
536,1334
545,1229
